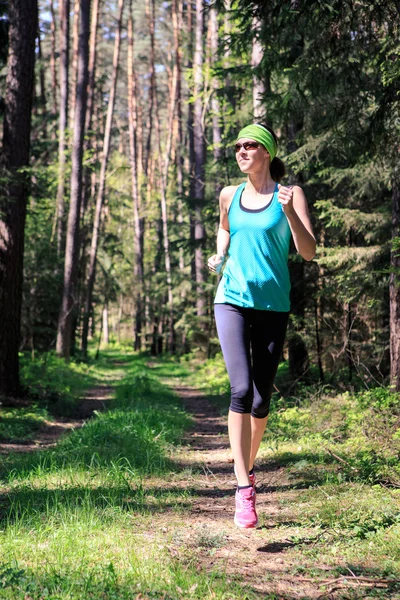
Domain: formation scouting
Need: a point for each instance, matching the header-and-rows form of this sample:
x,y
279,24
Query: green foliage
x,y
21,424
362,429
211,375
53,383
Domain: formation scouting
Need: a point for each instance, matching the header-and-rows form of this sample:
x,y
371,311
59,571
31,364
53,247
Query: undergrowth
x,y
355,435
51,382
21,424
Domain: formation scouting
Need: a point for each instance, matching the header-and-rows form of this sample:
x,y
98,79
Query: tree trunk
x,y
15,188
53,70
106,337
177,7
138,222
42,101
215,105
150,11
394,290
92,64
199,161
64,60
90,174
102,182
164,167
69,301
74,70
257,52
190,126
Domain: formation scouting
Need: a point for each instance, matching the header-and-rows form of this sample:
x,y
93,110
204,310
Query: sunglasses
x,y
246,146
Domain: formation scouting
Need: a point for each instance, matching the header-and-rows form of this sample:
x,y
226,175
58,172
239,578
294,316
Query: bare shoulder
x,y
226,196
299,197
298,191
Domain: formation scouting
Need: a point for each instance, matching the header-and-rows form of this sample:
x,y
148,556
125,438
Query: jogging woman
x,y
257,220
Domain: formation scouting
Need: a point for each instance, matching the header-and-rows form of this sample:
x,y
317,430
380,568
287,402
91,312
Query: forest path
x,y
260,558
51,431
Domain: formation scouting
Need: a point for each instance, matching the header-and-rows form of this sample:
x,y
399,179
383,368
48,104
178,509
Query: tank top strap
x,y
236,197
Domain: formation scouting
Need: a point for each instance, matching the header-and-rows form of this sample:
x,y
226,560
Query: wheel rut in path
x,y
258,556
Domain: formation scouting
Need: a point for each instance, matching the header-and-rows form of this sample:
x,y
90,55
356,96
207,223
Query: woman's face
x,y
252,159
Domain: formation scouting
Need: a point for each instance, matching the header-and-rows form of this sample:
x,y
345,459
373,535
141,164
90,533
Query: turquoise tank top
x,y
256,273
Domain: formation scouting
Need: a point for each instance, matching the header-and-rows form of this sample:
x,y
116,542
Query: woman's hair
x,y
276,166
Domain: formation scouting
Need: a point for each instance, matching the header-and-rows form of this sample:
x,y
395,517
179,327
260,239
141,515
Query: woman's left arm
x,y
294,205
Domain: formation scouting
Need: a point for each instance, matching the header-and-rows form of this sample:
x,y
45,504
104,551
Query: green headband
x,y
259,134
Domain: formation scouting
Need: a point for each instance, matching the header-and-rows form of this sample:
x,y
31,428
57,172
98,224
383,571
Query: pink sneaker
x,y
252,477
245,514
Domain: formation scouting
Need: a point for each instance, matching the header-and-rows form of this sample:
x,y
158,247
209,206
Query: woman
x,y
257,220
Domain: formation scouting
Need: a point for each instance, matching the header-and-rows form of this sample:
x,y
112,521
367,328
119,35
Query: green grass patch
x,y
82,520
21,424
51,382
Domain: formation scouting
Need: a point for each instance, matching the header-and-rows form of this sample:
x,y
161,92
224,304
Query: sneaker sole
x,y
245,526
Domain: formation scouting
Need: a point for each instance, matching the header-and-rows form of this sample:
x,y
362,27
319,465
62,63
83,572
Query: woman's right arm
x,y
223,235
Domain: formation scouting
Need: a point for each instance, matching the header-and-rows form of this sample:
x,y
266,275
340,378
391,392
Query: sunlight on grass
x,y
77,521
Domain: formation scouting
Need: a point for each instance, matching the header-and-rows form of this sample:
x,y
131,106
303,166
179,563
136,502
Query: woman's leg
x,y
240,439
234,336
257,431
268,332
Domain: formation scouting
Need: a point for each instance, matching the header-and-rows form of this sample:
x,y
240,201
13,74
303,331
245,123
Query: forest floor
x,y
269,560
50,430
101,514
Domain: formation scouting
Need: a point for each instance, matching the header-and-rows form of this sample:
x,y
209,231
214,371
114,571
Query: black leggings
x,y
251,342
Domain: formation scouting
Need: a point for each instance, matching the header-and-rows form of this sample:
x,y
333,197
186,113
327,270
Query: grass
x,y
340,500
52,383
21,424
78,521
105,514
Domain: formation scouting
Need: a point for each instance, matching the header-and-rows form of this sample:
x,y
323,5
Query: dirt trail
x,y
51,431
256,555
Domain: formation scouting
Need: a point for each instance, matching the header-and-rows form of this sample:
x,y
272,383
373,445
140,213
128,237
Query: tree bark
x,y
106,337
92,64
199,161
257,52
69,302
90,174
15,188
177,7
164,167
215,104
190,120
53,70
394,289
74,70
102,182
138,221
64,90
150,11
42,101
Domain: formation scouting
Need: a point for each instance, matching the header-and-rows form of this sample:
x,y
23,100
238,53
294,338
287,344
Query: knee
x,y
260,408
241,399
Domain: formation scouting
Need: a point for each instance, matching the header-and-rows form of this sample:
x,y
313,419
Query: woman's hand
x,y
285,197
215,263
